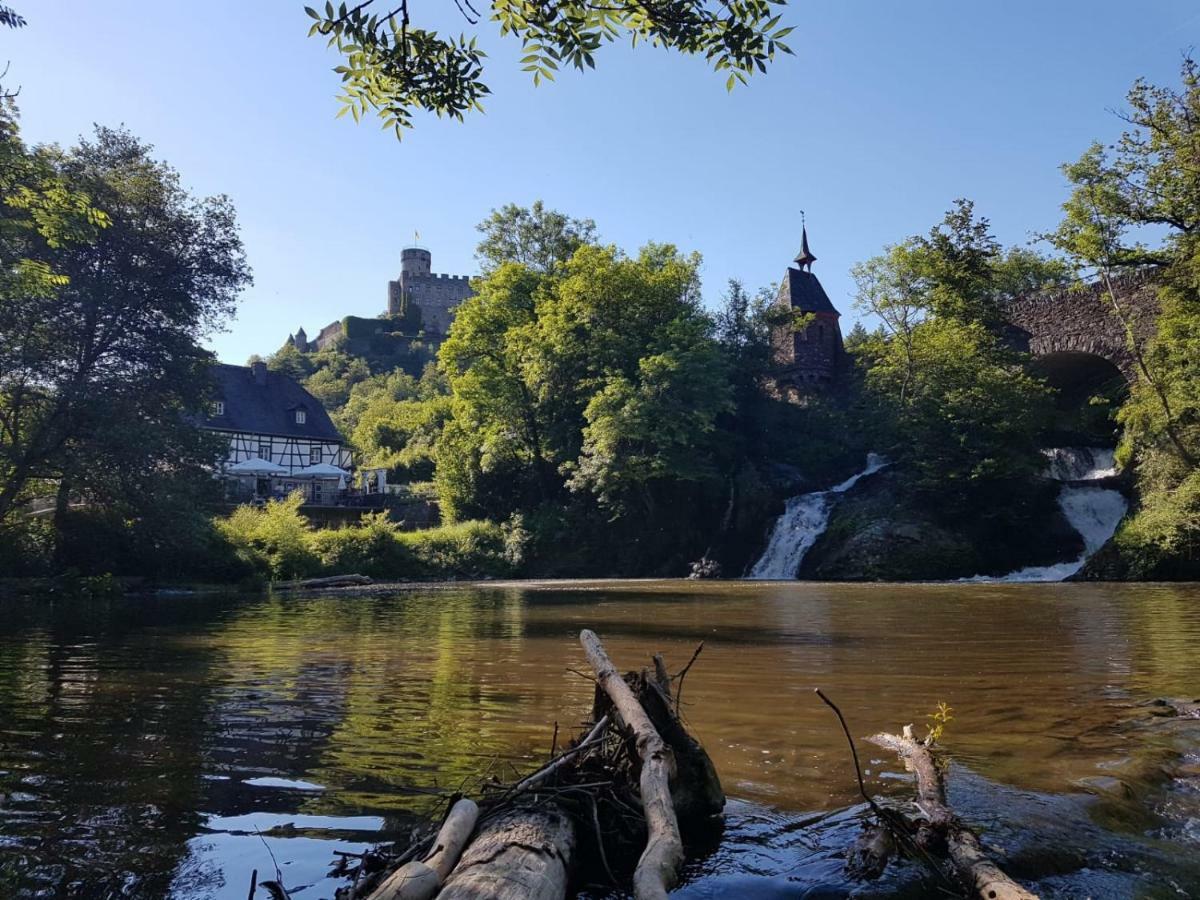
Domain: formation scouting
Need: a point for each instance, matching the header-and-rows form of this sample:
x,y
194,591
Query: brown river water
x,y
165,747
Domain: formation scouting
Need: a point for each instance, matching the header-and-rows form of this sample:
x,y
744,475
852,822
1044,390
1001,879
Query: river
x,y
168,746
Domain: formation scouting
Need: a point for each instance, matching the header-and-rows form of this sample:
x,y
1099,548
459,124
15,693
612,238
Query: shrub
x,y
370,548
278,541
275,539
462,550
26,547
1161,541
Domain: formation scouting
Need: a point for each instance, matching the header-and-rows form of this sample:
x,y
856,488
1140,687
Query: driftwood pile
x,y
617,795
611,808
935,830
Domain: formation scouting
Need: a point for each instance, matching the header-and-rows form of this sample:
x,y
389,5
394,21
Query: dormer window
x,y
218,408
301,416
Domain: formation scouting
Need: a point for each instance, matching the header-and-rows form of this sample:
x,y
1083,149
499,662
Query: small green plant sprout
x,y
938,720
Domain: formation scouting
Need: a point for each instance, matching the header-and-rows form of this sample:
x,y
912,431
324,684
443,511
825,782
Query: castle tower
x,y
811,355
420,296
300,341
415,263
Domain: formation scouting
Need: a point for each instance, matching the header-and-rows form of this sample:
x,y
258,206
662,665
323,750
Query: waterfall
x,y
1093,511
803,521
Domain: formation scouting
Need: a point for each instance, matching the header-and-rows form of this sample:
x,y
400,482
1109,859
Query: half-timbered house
x,y
278,433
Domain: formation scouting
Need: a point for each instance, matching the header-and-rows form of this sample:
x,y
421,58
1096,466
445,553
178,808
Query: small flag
x,y
416,235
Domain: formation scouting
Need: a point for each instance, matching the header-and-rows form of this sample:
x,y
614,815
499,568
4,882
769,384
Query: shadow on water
x,y
154,748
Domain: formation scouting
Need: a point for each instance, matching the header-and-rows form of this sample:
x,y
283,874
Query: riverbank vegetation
x,y
113,275
588,414
276,542
1147,184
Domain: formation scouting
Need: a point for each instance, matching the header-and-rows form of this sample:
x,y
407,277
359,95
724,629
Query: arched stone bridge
x,y
1075,335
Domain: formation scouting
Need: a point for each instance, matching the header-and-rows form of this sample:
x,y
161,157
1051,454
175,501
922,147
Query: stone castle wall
x,y
436,296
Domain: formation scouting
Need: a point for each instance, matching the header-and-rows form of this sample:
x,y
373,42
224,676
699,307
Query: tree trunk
x,y
524,854
658,868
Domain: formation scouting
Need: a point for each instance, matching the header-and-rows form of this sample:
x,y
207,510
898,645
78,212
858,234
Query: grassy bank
x,y
277,543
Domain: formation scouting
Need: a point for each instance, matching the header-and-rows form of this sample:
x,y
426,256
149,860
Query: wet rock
x,y
877,532
705,567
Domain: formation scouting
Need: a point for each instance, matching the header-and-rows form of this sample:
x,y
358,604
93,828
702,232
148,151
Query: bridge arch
x,y
1066,328
1078,375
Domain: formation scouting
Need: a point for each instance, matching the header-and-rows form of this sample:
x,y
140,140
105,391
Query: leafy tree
x,y
1150,177
289,361
402,435
539,238
1148,182
392,66
600,382
40,213
655,430
389,387
857,338
334,376
394,421
96,375
963,415
743,328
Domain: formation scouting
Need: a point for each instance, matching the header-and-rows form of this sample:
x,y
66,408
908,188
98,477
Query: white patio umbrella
x,y
256,466
320,470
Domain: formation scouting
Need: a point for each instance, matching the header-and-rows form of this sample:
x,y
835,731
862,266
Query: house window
x,y
218,408
314,456
264,449
301,417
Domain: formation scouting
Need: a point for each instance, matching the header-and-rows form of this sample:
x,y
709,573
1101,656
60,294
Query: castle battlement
x,y
436,296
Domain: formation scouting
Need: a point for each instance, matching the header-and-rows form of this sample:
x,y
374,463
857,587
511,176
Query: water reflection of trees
x,y
379,699
120,725
100,754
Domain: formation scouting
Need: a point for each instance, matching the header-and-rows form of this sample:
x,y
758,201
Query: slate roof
x,y
267,408
802,291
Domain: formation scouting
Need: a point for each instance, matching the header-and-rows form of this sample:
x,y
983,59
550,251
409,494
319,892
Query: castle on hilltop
x,y
420,306
437,296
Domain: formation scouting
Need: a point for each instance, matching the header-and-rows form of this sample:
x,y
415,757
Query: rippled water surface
x,y
169,746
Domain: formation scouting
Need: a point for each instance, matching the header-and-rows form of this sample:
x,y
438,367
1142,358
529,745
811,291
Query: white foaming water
x,y
1081,463
1094,512
803,521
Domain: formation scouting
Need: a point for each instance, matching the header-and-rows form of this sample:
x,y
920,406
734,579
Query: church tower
x,y
810,356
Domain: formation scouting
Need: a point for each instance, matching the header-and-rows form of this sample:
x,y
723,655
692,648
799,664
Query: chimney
x,y
259,368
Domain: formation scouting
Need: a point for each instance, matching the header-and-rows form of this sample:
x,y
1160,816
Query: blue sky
x,y
887,113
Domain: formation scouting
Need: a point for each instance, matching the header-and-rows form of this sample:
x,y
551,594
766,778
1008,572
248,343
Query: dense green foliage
x,y
535,237
119,275
1151,179
588,401
279,543
394,67
955,407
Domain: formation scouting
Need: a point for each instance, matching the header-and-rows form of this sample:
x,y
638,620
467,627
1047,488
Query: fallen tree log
x,y
939,826
420,880
330,581
658,868
522,854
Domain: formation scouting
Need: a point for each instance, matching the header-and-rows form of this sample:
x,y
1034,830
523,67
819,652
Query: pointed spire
x,y
805,257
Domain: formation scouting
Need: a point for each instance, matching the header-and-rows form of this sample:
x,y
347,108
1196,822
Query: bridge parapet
x,y
1082,319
